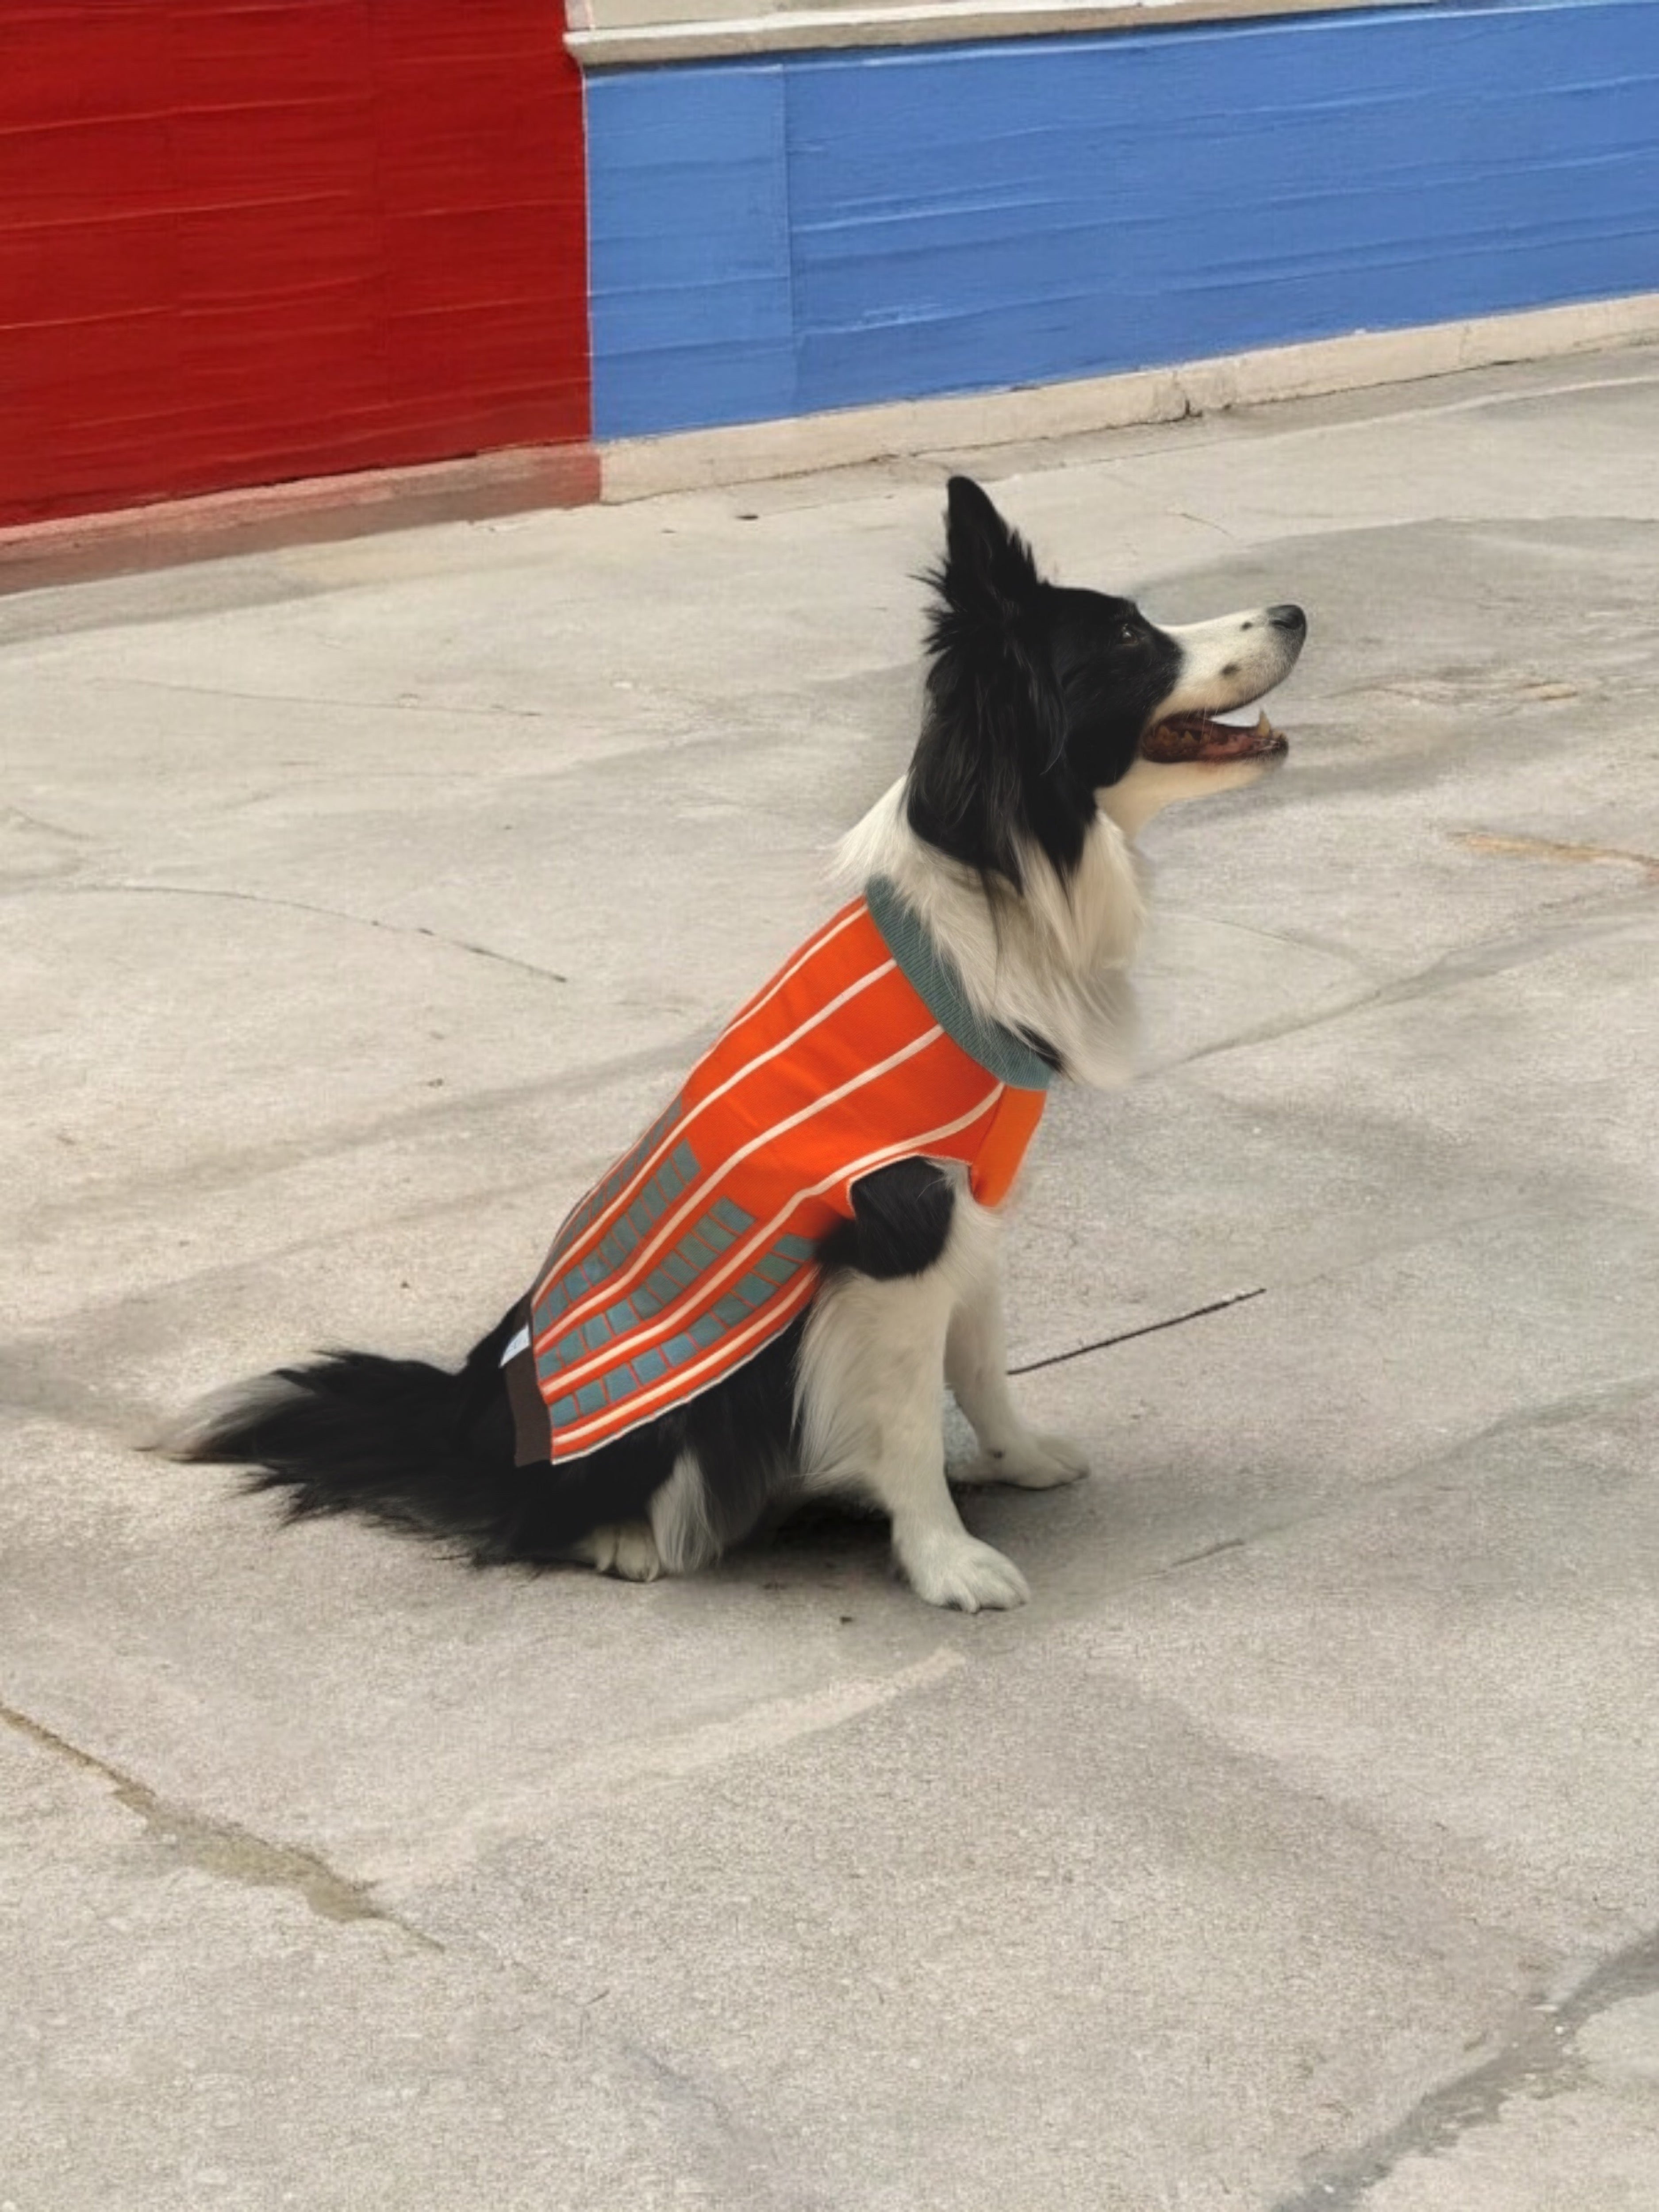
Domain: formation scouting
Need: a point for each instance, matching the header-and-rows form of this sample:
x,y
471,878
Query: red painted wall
x,y
246,241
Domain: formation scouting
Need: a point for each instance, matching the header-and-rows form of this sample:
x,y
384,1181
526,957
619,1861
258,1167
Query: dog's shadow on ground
x,y
845,1549
823,1546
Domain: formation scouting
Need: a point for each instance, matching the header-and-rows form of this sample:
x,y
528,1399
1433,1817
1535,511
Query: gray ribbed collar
x,y
998,1050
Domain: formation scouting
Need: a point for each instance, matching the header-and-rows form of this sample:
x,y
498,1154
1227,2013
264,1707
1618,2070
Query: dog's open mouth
x,y
1214,737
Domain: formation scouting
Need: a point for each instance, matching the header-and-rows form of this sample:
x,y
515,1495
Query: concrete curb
x,y
641,468
307,512
524,478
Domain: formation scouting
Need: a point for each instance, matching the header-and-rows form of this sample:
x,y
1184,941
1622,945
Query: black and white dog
x,y
1057,722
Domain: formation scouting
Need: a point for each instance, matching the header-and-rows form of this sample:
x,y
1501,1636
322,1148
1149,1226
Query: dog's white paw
x,y
1030,1462
626,1549
953,1568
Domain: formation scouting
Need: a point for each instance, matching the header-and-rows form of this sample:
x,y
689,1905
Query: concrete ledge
x,y
662,35
160,536
639,468
524,478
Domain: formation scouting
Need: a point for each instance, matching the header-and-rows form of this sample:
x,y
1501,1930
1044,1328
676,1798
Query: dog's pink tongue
x,y
1208,737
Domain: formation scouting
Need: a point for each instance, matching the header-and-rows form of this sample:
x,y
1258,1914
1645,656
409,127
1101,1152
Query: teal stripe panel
x,y
775,1268
935,983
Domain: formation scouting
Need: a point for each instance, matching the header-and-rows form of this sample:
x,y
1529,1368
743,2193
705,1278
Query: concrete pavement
x,y
1295,1848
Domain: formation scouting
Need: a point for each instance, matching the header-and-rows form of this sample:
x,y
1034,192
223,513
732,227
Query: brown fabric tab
x,y
532,1433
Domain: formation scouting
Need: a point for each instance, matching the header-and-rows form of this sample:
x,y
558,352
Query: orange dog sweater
x,y
698,1246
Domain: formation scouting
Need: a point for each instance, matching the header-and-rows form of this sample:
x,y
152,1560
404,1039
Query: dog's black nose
x,y
1289,618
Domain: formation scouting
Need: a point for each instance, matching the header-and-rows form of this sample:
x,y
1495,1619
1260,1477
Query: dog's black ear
x,y
995,720
987,566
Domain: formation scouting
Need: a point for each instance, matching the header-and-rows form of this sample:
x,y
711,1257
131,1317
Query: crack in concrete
x,y
756,730
11,815
1371,1255
1538,2060
302,906
231,1169
1206,522
743,2164
1146,1328
1332,1508
1550,1414
398,706
1495,955
219,1847
1299,940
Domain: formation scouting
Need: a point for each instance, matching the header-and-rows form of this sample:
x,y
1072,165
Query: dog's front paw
x,y
1030,1462
952,1568
626,1549
1065,1453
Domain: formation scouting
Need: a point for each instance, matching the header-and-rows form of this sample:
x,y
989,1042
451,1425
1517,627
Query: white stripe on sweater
x,y
770,1320
702,1195
595,1231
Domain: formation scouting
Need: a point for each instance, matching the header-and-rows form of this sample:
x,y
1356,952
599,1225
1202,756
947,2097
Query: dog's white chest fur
x,y
1053,961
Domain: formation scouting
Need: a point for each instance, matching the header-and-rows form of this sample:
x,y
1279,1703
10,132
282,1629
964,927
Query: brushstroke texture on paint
x,y
789,234
247,240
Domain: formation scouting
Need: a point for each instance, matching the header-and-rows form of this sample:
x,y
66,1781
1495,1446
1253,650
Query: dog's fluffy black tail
x,y
399,1441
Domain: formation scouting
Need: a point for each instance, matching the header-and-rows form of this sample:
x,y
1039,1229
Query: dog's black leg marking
x,y
901,1222
743,1435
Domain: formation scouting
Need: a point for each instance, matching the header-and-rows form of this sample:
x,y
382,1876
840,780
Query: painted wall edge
x,y
802,234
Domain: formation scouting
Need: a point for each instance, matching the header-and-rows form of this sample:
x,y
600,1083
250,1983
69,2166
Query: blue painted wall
x,y
779,236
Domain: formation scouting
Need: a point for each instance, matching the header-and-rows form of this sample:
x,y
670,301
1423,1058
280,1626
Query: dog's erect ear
x,y
986,565
996,720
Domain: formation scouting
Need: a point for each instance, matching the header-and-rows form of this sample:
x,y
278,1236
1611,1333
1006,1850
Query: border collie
x,y
758,1303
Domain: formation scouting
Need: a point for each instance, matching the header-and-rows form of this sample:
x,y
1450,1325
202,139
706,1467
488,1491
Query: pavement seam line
x,y
602,1778
222,1847
1537,2061
230,1171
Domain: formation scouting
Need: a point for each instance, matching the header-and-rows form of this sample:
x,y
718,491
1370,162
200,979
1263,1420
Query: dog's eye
x,y
1129,634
